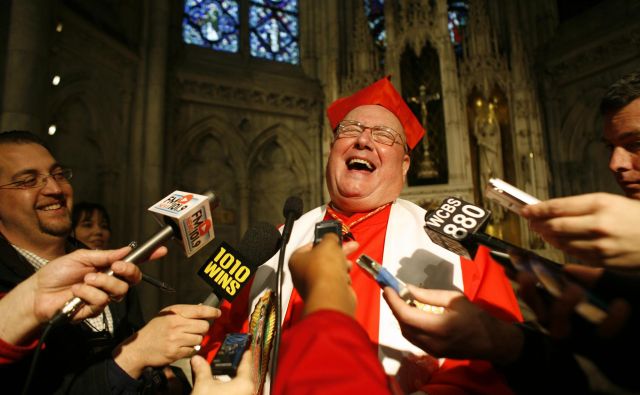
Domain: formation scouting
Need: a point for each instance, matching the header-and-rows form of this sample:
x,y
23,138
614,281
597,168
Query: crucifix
x,y
427,167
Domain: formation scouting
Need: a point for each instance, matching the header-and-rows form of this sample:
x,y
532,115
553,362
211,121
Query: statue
x,y
426,167
486,130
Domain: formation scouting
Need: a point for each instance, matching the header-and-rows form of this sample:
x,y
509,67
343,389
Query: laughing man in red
x,y
374,131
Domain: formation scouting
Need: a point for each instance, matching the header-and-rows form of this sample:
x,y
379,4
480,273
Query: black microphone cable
x,y
292,211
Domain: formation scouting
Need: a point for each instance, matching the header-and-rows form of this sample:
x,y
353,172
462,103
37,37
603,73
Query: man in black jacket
x,y
99,356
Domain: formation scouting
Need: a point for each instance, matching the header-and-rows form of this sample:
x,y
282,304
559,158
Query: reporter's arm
x,y
531,362
598,228
27,307
170,336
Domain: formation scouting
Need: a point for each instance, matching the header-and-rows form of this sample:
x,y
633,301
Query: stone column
x,y
26,68
153,177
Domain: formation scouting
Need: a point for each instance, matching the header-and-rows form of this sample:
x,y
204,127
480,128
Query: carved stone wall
x,y
91,108
413,23
254,140
588,53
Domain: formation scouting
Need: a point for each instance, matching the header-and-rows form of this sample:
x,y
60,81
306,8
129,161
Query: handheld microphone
x,y
292,211
458,227
187,217
227,271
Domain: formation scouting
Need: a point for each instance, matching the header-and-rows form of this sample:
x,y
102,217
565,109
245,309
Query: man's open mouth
x,y
360,164
51,207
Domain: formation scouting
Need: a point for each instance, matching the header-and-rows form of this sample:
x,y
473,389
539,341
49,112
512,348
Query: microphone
x,y
227,271
187,217
292,211
458,226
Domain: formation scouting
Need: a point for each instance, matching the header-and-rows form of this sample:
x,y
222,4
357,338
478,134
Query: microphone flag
x,y
226,272
191,214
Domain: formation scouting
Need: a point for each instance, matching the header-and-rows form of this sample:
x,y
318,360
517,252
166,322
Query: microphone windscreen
x,y
259,243
228,270
292,207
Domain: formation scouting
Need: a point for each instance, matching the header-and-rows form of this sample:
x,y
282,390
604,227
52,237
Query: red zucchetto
x,y
383,94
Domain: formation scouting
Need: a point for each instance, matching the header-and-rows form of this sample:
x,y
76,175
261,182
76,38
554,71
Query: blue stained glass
x,y
458,12
211,24
274,30
374,9
285,5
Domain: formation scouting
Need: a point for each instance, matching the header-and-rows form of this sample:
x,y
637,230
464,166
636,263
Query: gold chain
x,y
346,228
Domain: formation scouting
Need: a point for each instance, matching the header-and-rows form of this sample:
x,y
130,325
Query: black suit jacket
x,y
75,358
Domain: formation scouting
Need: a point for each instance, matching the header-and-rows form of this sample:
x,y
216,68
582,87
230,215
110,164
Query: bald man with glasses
x,y
374,131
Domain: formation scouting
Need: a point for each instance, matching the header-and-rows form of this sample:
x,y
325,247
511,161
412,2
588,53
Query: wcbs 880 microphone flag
x,y
453,225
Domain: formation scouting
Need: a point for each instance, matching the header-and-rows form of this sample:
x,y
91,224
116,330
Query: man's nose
x,y
51,186
620,160
365,140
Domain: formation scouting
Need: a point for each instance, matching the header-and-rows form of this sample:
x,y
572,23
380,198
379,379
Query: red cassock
x,y
339,358
395,238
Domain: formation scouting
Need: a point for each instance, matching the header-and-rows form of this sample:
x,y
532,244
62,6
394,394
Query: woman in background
x,y
91,225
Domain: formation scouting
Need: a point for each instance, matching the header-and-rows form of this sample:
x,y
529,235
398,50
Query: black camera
x,y
329,226
230,353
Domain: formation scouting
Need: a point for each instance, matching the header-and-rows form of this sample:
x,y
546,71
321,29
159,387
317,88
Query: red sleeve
x,y
10,353
329,353
234,318
486,285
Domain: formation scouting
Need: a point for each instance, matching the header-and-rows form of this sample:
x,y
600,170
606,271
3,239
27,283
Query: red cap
x,y
384,94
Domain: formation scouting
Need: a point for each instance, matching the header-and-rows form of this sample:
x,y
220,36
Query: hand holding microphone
x,y
169,336
187,217
34,301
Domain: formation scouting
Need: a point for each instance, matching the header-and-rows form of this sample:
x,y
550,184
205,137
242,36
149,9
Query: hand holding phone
x,y
230,353
328,226
384,278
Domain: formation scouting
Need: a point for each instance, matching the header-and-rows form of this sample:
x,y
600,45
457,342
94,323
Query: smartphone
x,y
552,279
508,196
384,278
328,226
230,353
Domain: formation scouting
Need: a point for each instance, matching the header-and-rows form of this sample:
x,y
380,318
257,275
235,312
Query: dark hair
x,y
87,208
21,137
621,93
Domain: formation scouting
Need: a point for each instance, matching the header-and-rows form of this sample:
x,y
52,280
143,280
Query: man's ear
x,y
406,163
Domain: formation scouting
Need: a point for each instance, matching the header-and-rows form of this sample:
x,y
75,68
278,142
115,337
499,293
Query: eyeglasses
x,y
379,134
37,180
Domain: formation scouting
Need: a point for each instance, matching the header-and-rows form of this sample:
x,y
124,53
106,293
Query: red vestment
x,y
484,284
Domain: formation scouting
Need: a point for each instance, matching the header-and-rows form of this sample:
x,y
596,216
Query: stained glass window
x,y
374,9
211,24
458,16
273,26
